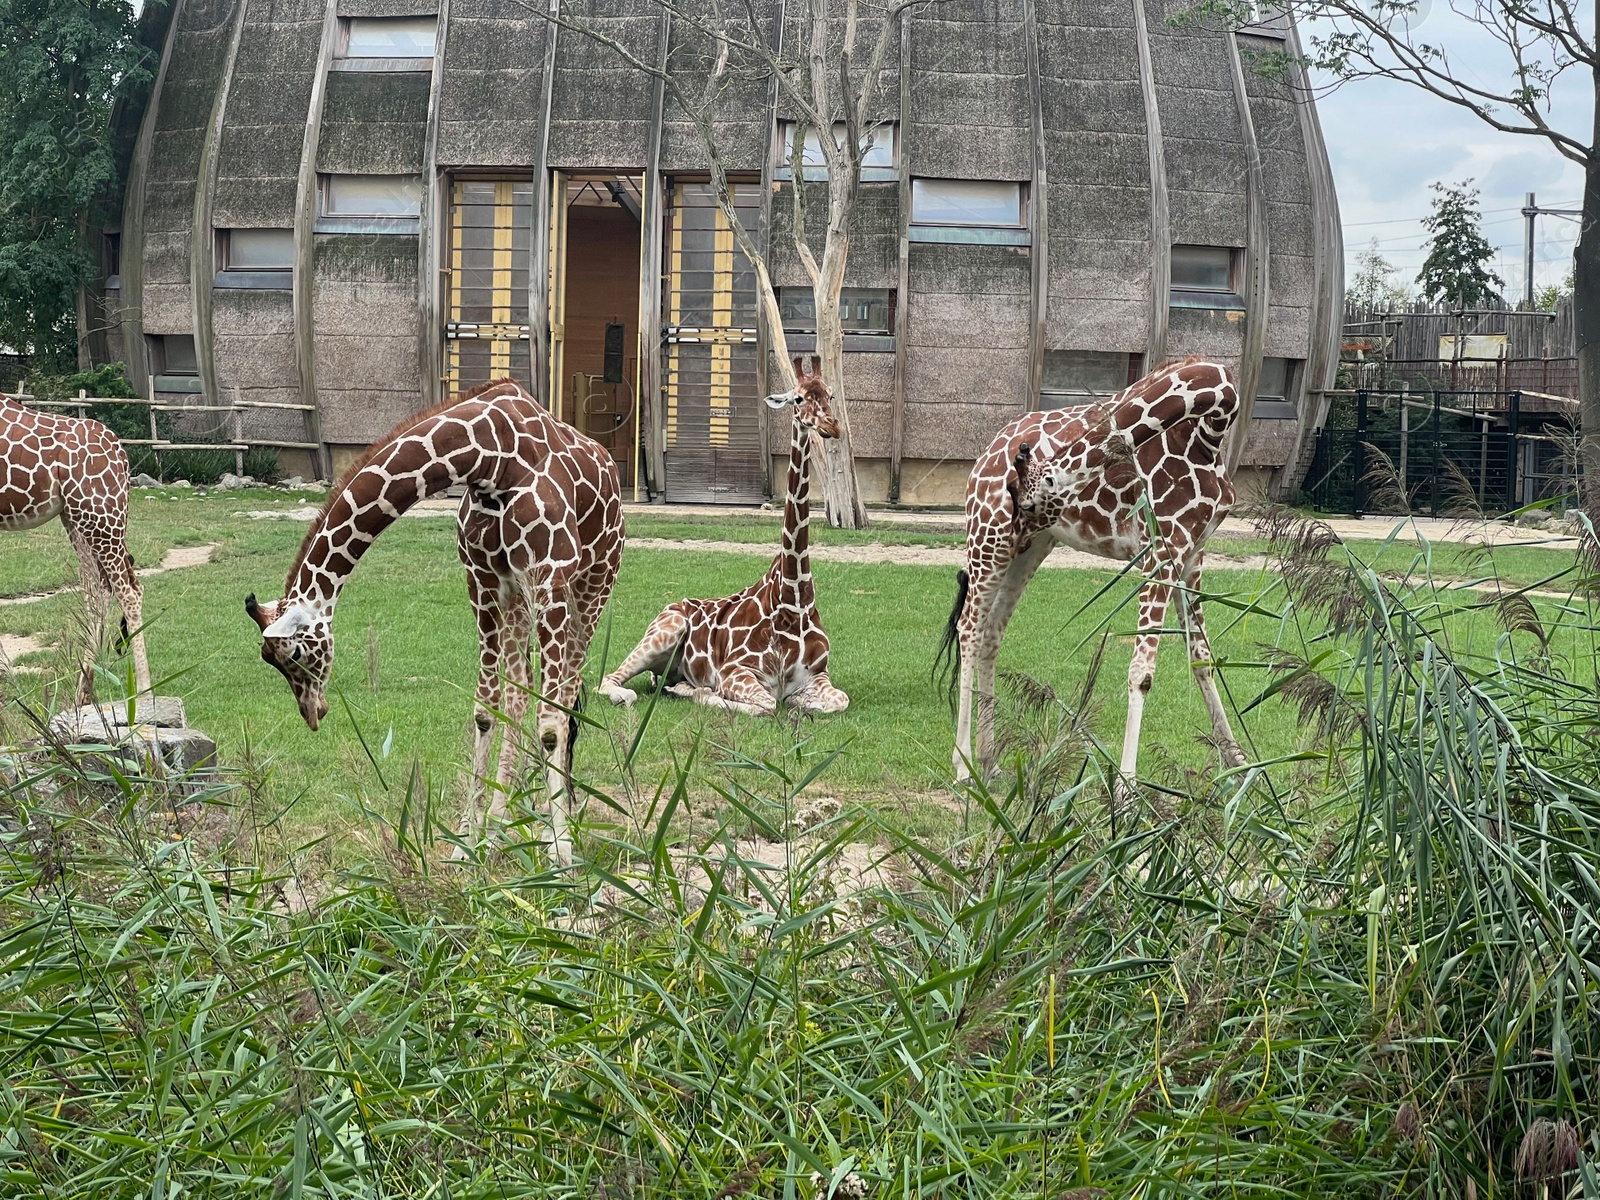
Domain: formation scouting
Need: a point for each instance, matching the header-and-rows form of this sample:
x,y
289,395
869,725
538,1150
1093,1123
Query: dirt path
x,y
175,559
1061,558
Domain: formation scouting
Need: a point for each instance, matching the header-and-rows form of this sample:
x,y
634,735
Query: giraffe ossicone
x,y
1142,476
75,468
540,532
753,650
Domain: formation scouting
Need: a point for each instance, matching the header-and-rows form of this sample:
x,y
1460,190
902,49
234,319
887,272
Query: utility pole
x,y
1530,210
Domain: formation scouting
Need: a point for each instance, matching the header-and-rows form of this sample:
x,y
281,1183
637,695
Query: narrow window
x,y
968,202
1275,392
371,195
257,249
177,369
861,310
1086,372
877,148
113,255
388,37
1206,277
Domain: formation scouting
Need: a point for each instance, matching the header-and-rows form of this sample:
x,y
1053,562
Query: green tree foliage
x,y
63,64
1373,286
1454,270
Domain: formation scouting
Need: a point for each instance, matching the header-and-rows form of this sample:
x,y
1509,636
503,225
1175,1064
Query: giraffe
x,y
749,651
540,533
1141,477
76,469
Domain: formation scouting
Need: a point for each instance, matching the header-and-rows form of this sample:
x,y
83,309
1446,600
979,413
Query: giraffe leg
x,y
820,696
482,589
560,680
96,599
116,567
741,690
1017,575
1200,664
1153,600
655,652
514,685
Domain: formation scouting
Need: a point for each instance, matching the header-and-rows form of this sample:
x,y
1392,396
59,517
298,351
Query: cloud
x,y
1515,174
1390,171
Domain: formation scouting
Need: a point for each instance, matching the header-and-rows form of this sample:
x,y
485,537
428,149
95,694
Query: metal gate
x,y
486,333
1434,453
710,370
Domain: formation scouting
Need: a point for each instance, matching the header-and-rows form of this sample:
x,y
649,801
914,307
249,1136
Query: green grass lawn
x,y
407,653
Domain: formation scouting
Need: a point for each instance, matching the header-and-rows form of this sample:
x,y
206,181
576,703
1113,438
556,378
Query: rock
x,y
324,484
182,483
1537,519
162,729
141,480
293,483
232,483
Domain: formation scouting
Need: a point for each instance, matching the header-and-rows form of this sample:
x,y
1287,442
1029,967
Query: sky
x,y
1388,141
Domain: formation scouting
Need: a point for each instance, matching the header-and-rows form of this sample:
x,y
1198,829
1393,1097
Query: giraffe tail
x,y
947,662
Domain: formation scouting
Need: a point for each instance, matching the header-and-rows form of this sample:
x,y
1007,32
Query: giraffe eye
x,y
294,655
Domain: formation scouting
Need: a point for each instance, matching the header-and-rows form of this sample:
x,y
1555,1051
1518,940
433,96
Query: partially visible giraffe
x,y
1143,477
540,532
749,651
76,469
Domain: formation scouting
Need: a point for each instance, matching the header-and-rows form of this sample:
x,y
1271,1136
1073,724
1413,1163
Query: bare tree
x,y
1537,43
829,79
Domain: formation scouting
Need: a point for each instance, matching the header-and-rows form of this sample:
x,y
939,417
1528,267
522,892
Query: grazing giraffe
x,y
540,533
1141,477
76,469
749,651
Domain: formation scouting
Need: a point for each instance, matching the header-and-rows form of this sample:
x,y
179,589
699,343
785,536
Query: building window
x,y
176,368
113,257
861,310
1275,393
1205,277
371,195
971,202
257,249
387,37
878,151
1087,372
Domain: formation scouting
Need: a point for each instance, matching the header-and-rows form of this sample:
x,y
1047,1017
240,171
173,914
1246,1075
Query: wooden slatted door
x,y
710,367
486,329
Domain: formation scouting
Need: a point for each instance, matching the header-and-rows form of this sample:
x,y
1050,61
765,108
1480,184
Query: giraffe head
x,y
297,640
812,398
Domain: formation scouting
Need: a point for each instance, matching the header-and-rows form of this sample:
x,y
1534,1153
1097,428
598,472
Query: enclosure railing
x,y
230,415
1550,381
1439,452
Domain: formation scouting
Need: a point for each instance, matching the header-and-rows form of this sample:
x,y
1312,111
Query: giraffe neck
x,y
409,467
794,563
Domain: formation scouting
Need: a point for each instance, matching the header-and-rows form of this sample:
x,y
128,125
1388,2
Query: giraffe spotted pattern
x,y
752,650
1141,477
540,533
76,469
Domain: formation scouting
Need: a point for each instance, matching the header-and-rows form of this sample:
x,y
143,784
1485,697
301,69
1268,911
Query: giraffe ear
x,y
783,399
291,622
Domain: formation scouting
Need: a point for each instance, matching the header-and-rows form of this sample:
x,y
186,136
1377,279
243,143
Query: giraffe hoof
x,y
619,695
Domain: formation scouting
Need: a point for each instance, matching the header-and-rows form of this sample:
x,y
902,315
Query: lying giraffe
x,y
76,469
749,651
540,533
1098,478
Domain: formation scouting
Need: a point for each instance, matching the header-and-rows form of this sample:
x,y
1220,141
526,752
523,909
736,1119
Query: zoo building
x,y
340,212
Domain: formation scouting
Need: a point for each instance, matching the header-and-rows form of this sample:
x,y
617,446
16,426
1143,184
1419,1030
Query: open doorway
x,y
594,311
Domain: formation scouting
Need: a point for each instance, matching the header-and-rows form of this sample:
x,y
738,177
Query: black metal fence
x,y
1438,453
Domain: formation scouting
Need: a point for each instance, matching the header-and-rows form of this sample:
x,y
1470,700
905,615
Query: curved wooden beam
x,y
1327,297
431,230
897,401
131,298
202,237
1160,209
1038,211
305,224
1257,256
650,250
539,256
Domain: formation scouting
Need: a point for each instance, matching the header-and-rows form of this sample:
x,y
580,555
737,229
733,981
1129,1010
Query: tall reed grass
x,y
1367,972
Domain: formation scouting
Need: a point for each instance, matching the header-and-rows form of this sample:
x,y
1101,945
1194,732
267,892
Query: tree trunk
x,y
1586,322
81,305
840,491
